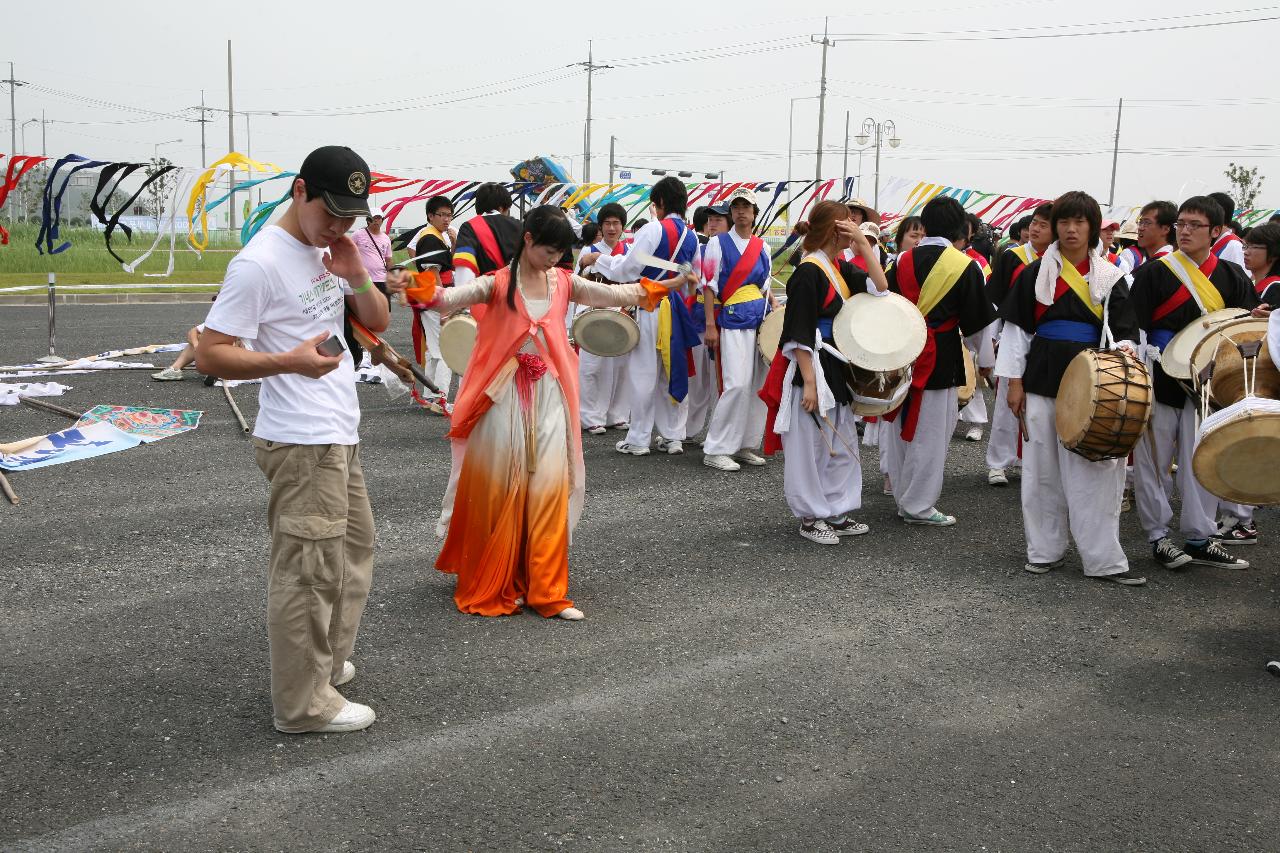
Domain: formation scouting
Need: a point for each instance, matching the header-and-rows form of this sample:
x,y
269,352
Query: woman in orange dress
x,y
517,484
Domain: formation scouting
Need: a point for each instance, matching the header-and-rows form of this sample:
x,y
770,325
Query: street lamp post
x,y
155,148
877,130
791,135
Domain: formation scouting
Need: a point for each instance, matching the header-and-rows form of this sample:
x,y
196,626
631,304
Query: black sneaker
x,y
1169,555
1125,578
1213,554
1240,534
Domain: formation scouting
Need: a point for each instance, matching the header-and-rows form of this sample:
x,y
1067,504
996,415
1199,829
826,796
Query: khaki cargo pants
x,y
321,568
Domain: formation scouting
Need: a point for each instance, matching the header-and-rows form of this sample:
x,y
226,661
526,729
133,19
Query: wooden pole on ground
x,y
49,407
8,489
235,410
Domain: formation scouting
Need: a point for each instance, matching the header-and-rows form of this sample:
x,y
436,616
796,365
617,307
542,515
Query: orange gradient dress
x,y
517,483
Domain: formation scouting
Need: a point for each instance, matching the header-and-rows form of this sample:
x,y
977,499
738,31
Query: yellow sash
x,y
1189,274
1025,253
745,293
837,280
1076,282
950,265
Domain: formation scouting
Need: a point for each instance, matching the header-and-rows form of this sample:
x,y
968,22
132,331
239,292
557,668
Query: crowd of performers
x,y
700,289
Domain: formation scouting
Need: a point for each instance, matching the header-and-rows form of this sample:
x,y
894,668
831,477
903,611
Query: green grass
x,y
88,262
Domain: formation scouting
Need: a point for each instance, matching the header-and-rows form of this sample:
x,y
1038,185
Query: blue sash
x,y
1160,337
1075,331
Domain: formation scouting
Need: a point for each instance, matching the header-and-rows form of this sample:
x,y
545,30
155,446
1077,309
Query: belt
x,y
1160,337
1075,331
825,327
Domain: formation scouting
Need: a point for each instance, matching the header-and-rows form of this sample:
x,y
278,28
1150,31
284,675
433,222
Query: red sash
x,y
1262,286
1225,240
922,370
487,240
1183,293
746,263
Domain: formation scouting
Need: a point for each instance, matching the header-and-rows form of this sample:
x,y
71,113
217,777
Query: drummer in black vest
x,y
486,242
1055,310
1169,294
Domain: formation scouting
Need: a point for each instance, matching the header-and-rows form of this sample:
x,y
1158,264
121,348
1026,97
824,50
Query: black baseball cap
x,y
341,177
721,209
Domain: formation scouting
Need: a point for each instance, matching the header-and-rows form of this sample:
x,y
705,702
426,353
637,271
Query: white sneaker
x,y
670,446
352,718
597,430
622,425
572,614
348,673
996,477
747,457
974,434
631,449
819,531
169,375
720,463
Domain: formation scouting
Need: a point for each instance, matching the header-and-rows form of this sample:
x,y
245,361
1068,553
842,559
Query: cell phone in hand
x,y
331,347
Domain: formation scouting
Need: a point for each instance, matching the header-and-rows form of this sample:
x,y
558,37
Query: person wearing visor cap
x,y
284,294
735,297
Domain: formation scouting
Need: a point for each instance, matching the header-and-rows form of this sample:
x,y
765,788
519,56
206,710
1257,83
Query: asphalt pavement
x,y
733,686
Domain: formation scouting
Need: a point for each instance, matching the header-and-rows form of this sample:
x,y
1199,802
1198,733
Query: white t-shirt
x,y
276,295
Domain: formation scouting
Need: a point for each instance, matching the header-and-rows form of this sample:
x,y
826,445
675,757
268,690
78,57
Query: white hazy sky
x,y
468,89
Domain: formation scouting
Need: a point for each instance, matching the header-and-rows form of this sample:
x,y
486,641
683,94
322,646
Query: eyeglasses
x,y
1190,227
1147,223
1257,247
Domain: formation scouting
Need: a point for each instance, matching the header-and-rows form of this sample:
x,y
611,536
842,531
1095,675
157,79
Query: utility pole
x,y
822,93
204,159
1115,155
44,137
231,143
13,123
845,174
591,67
613,160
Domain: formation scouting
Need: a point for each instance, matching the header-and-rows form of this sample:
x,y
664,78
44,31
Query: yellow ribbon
x,y
837,280
664,334
200,191
1080,287
950,265
1210,299
1025,253
745,293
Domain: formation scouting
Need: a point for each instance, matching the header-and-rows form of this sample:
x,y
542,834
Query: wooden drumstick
x,y
837,434
831,448
8,489
1022,423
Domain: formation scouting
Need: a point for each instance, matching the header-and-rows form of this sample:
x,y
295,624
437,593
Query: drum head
x,y
770,334
1176,358
604,332
1077,398
1238,453
1247,329
879,332
457,339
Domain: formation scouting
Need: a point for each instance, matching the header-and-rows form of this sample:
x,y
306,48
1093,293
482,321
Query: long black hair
x,y
548,226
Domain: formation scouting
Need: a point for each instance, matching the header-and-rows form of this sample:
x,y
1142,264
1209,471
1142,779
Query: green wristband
x,y
364,288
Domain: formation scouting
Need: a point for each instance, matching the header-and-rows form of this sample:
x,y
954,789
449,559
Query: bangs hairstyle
x,y
904,227
1268,235
1205,205
437,203
1043,211
822,224
1075,204
546,226
612,210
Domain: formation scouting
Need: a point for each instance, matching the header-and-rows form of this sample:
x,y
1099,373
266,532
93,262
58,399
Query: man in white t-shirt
x,y
284,295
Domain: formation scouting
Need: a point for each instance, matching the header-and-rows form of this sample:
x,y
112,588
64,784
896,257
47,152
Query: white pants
x,y
817,484
1002,446
738,420
1063,491
435,368
916,467
703,389
1240,513
976,410
1153,486
651,406
602,392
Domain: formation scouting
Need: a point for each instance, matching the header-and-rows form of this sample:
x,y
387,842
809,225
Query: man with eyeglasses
x,y
1155,235
1167,296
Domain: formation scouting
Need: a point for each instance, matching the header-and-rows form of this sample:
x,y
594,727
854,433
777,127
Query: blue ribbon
x,y
1075,331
